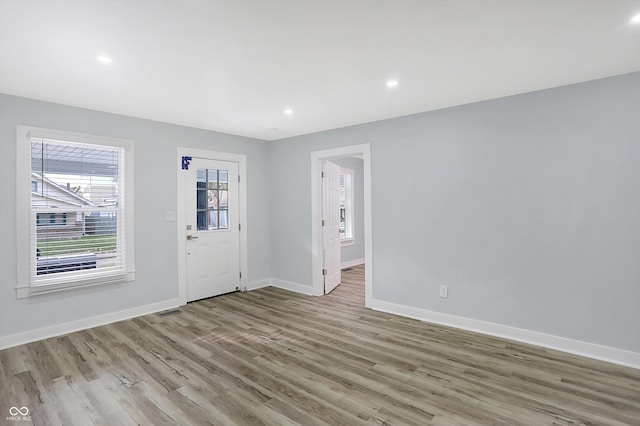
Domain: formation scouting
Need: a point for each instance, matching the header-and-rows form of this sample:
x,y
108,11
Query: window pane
x,y
224,179
201,218
65,175
224,219
213,219
201,199
212,179
212,199
73,245
224,199
201,181
346,204
75,237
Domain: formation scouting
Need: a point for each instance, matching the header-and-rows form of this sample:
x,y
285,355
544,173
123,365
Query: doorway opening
x,y
350,292
319,242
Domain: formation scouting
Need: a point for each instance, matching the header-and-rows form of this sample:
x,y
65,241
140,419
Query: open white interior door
x,y
213,235
331,225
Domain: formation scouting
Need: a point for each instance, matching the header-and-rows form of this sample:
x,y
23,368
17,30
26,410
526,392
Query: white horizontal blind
x,y
78,213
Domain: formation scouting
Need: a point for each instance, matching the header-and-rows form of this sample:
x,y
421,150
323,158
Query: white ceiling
x,y
235,65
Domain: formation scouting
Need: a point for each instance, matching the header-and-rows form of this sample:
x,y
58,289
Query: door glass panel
x,y
201,199
202,178
224,179
202,220
212,179
224,198
224,219
212,199
213,219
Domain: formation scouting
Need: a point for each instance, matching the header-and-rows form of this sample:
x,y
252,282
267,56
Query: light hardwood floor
x,y
275,357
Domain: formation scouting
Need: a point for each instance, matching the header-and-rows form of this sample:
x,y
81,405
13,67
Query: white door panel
x,y
213,237
224,266
331,229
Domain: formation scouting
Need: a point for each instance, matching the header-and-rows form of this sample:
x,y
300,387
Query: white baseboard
x,y
350,263
254,285
85,323
576,347
288,285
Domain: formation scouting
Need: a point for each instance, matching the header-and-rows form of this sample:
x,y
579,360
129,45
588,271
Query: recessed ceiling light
x,y
288,111
104,59
392,83
636,19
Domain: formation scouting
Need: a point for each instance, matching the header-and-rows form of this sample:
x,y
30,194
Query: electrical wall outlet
x,y
444,291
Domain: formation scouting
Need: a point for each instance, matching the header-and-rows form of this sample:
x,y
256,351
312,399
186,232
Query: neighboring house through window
x,y
346,206
77,219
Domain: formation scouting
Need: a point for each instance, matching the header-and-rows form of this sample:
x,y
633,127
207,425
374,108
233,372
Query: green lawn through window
x,y
86,244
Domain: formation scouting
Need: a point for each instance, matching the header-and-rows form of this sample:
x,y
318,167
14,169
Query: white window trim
x,y
24,134
349,208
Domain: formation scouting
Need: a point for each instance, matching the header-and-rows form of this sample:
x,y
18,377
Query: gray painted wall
x,y
155,192
528,207
355,251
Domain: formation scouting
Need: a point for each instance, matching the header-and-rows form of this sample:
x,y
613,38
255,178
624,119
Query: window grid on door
x,y
212,199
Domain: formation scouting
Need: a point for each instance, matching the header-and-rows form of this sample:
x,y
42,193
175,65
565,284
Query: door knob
x,y
191,237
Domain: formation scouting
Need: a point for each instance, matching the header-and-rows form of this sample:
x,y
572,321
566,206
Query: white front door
x,y
212,232
331,225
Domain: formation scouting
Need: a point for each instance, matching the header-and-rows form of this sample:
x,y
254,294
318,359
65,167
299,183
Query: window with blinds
x,y
79,222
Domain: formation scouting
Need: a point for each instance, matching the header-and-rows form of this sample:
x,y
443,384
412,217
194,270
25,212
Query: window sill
x,y
25,291
346,242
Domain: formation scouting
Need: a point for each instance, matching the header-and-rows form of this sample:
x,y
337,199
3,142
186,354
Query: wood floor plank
x,y
279,358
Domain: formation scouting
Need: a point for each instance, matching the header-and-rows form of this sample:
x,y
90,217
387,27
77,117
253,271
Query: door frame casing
x,y
241,159
316,216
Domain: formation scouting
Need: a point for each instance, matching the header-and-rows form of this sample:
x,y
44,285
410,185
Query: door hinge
x,y
322,222
239,227
324,272
240,274
238,178
321,174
